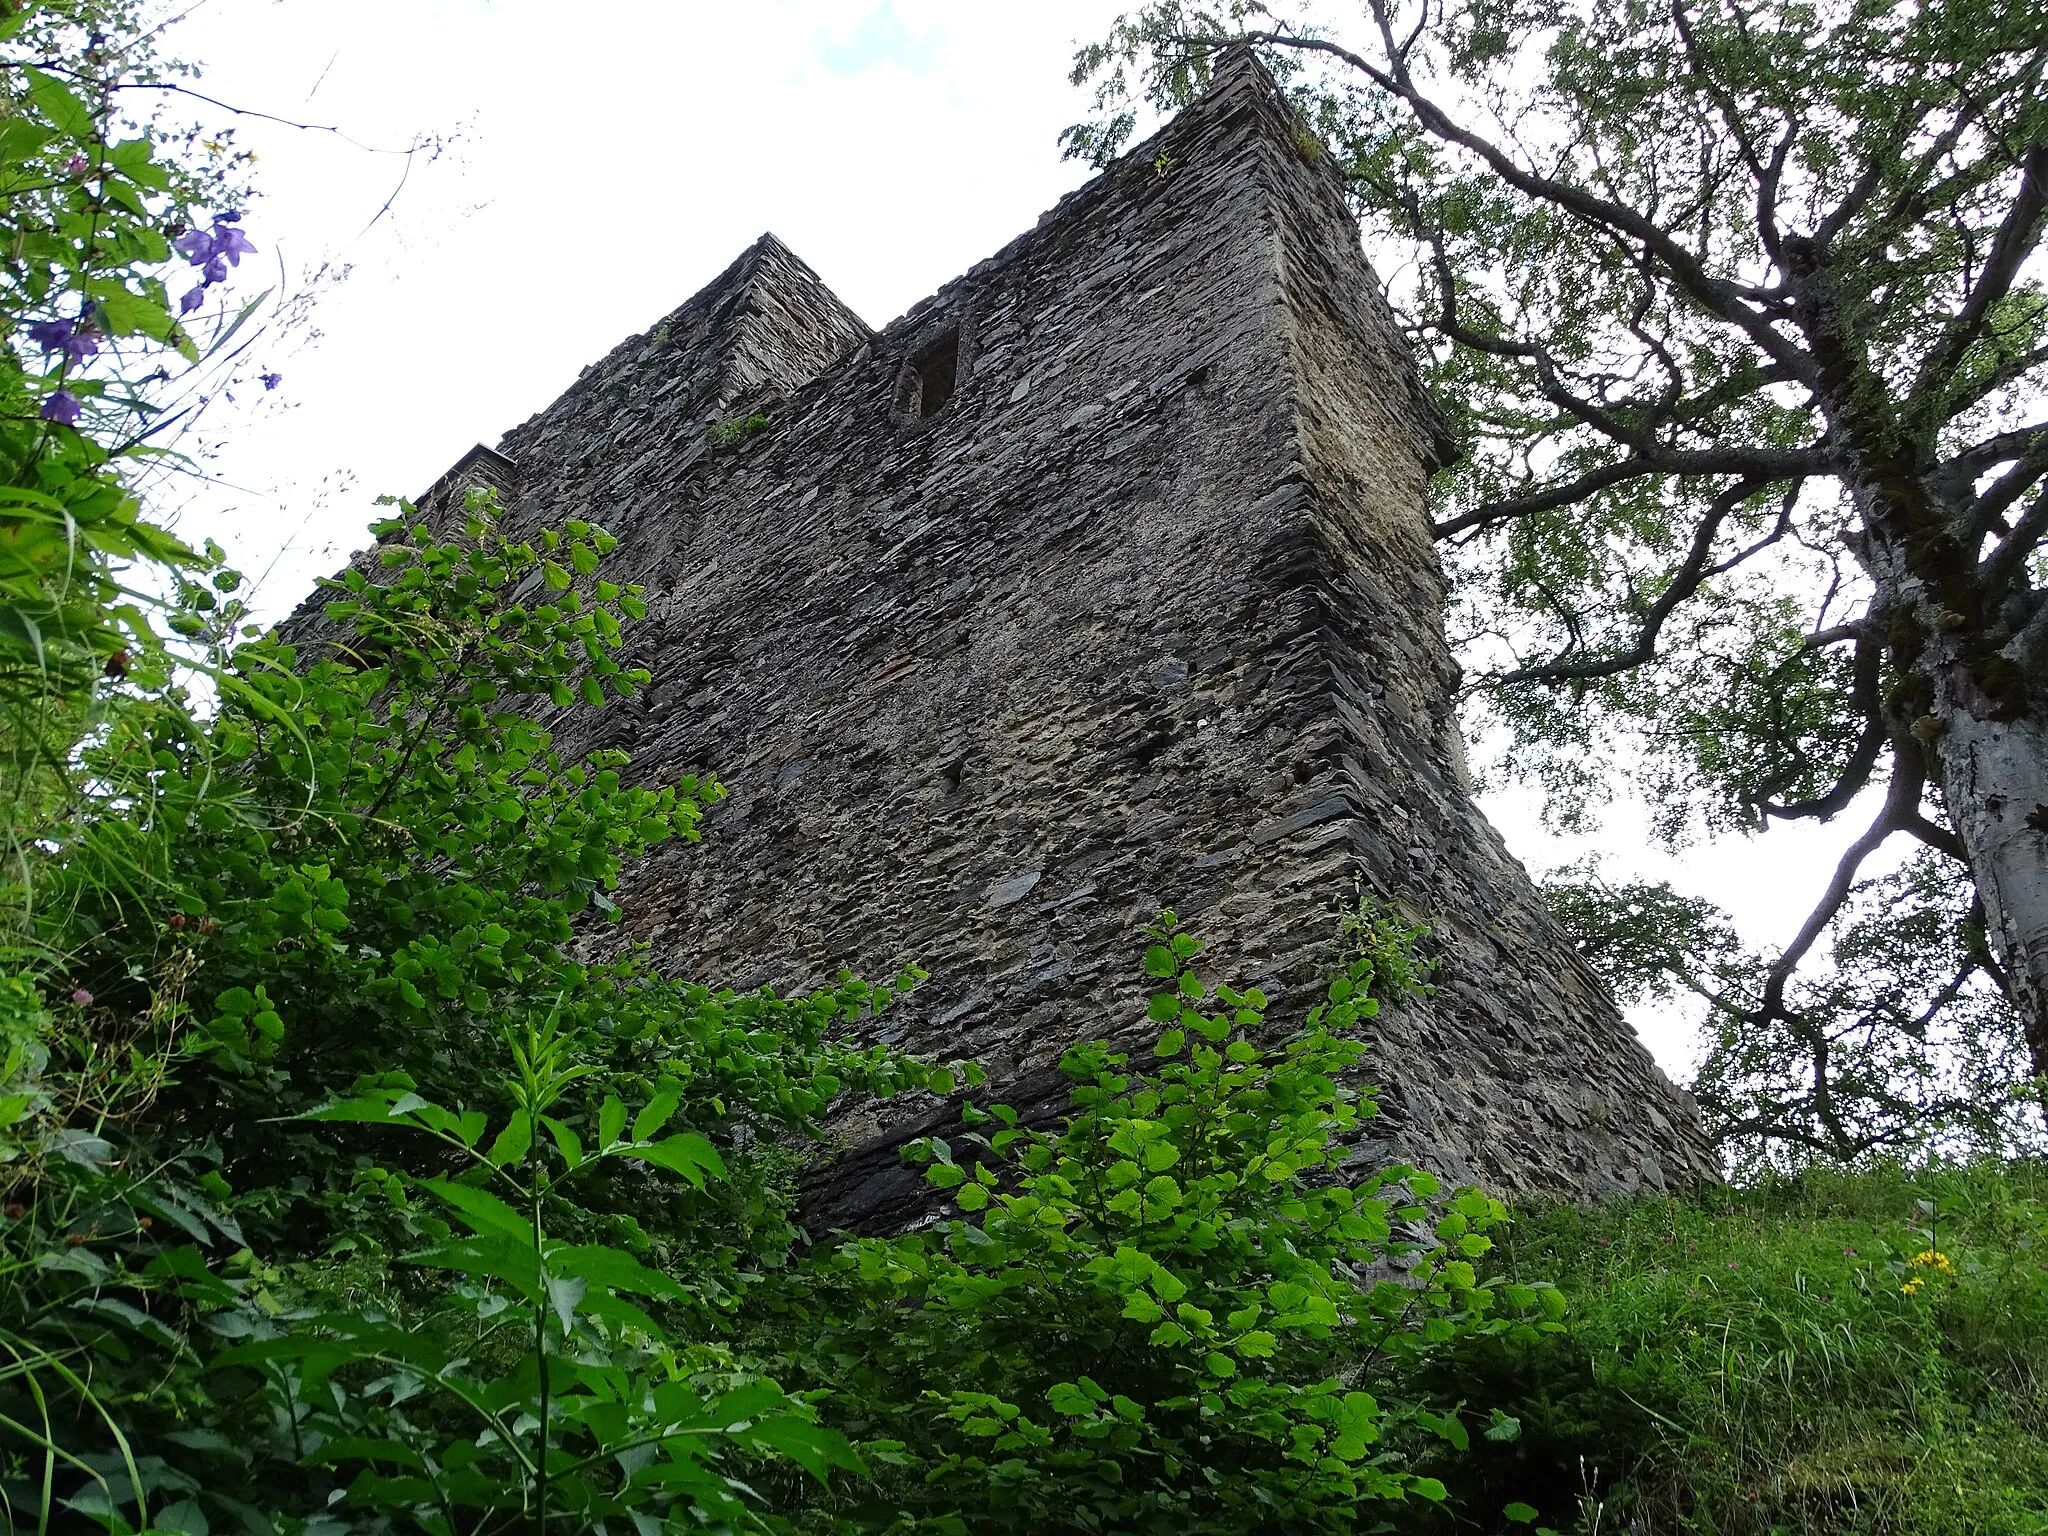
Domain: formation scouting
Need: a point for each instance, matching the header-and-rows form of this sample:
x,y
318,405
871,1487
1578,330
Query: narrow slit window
x,y
934,374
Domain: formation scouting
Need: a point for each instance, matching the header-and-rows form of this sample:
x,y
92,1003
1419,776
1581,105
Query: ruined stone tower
x,y
1099,582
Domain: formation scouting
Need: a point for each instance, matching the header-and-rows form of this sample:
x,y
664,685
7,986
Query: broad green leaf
x,y
371,1111
656,1114
1069,1399
1446,1426
1141,1308
688,1154
566,1141
67,114
564,1292
495,1257
347,1448
510,1147
483,1211
616,1271
811,1446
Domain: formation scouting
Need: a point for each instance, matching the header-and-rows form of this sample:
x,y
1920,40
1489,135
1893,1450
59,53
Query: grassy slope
x,y
1776,1359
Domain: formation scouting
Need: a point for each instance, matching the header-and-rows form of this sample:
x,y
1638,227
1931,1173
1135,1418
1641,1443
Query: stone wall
x,y
1145,614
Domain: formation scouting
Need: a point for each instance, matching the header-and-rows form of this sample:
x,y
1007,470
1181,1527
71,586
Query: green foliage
x,y
538,1388
95,363
1814,1356
82,216
1643,939
734,430
1898,1044
1180,1311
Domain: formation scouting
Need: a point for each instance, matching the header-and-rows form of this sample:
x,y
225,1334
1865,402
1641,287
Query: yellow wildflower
x,y
1932,1259
1912,1285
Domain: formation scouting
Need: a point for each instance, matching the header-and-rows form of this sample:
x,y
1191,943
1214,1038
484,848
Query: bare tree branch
x,y
2003,567
1685,581
1764,465
1939,838
2009,250
1964,468
1865,696
1987,512
1766,175
1718,295
1901,804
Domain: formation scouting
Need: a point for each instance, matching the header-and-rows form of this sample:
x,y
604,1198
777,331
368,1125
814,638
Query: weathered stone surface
x,y
1143,613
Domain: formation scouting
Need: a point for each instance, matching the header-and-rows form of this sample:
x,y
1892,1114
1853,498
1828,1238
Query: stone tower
x,y
1100,582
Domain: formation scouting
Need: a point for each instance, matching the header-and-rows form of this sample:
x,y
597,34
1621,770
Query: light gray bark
x,y
1994,776
1991,761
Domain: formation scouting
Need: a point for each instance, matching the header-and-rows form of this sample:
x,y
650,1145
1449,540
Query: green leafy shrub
x,y
1180,1311
340,886
100,368
534,1389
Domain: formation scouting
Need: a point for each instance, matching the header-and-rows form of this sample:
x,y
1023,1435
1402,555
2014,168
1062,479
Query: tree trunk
x,y
1986,741
1994,777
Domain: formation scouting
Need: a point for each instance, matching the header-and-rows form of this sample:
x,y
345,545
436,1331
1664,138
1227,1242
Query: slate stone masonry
x,y
1099,582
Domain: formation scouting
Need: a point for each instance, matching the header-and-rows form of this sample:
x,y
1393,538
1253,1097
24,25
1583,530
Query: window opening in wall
x,y
934,373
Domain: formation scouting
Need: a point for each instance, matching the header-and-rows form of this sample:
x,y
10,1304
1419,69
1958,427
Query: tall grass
x,y
1833,1353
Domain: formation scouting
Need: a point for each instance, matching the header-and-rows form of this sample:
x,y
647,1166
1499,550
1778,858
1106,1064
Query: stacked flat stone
x,y
1144,614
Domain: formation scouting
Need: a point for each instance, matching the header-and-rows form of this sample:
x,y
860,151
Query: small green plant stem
x,y
50,1448
49,1459
440,1493
428,715
535,1193
291,1405
540,1343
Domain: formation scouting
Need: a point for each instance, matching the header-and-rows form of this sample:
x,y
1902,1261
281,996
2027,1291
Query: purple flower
x,y
76,342
78,165
62,408
215,249
82,997
192,300
272,380
231,243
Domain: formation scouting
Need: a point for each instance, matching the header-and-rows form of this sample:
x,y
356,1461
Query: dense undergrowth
x,y
347,1190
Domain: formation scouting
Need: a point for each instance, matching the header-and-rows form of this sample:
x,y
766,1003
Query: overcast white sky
x,y
609,158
